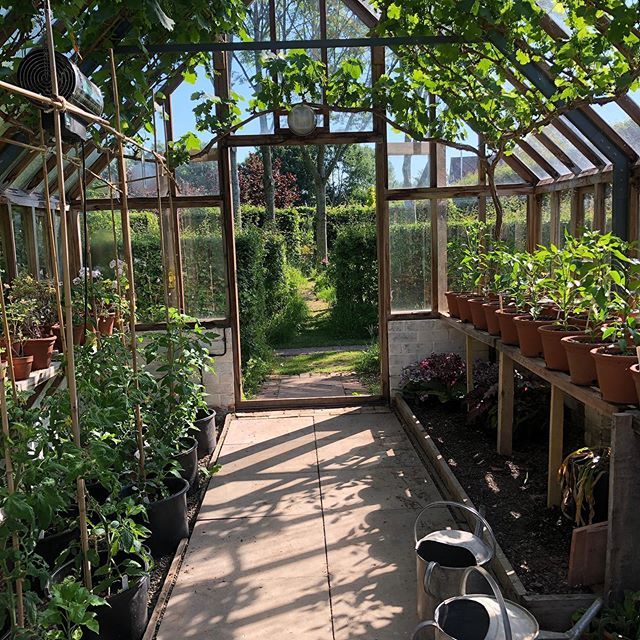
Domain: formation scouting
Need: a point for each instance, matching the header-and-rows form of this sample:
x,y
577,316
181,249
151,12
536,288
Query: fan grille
x,y
34,73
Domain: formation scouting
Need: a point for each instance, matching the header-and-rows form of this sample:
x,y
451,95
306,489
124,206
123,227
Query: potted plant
x,y
19,320
570,267
584,482
532,294
179,392
499,286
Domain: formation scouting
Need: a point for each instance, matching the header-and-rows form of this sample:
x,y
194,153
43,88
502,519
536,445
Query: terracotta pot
x,y
635,375
555,357
614,375
528,336
582,366
105,325
549,312
477,313
508,332
493,326
452,303
578,321
22,367
41,349
464,308
15,347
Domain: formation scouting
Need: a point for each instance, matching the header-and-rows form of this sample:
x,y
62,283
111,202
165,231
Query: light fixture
x,y
302,120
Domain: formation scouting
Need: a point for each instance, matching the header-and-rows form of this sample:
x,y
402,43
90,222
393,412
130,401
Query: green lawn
x,y
326,362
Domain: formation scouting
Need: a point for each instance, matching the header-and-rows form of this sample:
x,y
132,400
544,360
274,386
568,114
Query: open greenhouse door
x,y
306,244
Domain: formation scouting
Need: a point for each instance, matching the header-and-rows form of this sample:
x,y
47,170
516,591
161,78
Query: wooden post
x,y
66,274
469,362
556,436
577,211
599,194
505,404
623,559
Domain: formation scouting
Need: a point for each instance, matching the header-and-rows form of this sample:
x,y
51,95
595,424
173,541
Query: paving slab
x,y
306,533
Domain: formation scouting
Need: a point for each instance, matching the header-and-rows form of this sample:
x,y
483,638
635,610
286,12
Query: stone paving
x,y
311,385
305,533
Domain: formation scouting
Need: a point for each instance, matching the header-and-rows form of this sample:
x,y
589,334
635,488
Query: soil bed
x,y
513,492
162,564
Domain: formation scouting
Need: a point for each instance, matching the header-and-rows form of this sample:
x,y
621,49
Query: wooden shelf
x,y
468,330
38,377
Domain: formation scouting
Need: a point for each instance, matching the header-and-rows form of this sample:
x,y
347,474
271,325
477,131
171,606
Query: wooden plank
x,y
505,404
467,329
327,402
554,612
586,179
291,139
623,559
185,202
577,211
588,556
634,211
599,194
558,153
469,362
539,159
556,440
576,140
457,191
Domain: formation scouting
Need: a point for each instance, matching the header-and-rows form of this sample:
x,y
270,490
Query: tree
x,y
250,178
353,176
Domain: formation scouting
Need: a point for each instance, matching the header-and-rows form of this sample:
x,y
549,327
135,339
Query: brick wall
x,y
411,340
219,385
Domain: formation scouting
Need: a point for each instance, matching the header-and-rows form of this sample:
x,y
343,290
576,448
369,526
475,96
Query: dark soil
x,y
512,490
162,565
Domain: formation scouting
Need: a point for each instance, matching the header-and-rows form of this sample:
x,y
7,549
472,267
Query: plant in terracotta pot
x,y
498,288
605,260
21,323
531,293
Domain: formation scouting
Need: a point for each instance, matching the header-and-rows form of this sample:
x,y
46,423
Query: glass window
x,y
504,174
545,220
460,213
514,220
608,208
588,210
410,253
198,179
19,215
565,216
42,245
203,262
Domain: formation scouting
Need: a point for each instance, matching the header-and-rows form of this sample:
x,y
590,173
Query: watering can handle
x,y
457,505
421,626
426,581
496,592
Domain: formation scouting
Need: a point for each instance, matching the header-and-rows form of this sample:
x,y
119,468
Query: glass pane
x,y
297,20
408,161
514,221
335,57
203,262
461,212
565,216
198,179
536,145
504,174
410,251
41,246
615,116
19,232
462,166
608,208
588,210
545,220
557,138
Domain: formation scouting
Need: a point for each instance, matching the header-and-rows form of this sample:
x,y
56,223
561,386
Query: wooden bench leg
x,y
556,436
469,362
505,405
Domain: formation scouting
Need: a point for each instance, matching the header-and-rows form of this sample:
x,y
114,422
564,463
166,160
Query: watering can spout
x,y
575,633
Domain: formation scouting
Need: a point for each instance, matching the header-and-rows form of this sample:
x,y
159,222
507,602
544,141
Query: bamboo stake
x,y
18,620
128,252
52,244
116,253
66,274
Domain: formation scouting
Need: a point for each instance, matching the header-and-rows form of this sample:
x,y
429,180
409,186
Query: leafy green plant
x,y
621,620
40,296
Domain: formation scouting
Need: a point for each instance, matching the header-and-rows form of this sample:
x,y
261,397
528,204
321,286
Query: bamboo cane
x,y
66,274
116,253
8,467
128,252
52,245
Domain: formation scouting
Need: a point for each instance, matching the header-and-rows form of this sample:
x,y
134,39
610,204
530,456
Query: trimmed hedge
x,y
353,270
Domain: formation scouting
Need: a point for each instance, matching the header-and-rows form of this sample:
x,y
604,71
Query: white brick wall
x,y
411,340
219,385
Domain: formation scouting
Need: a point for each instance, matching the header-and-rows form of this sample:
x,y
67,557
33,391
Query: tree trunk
x,y
322,248
269,186
235,188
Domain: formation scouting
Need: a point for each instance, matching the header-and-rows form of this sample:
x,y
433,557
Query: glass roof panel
x,y
584,139
504,174
559,166
533,166
555,136
628,130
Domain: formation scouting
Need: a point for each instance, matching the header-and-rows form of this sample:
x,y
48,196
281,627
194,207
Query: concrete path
x,y
306,533
302,351
311,385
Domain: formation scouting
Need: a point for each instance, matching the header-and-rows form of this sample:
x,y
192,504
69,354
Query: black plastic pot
x,y
206,432
125,616
50,547
188,461
168,519
97,491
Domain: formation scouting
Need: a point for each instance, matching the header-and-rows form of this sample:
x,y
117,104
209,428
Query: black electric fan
x,y
34,74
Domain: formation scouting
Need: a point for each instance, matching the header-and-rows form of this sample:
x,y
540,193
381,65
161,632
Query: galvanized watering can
x,y
442,556
491,617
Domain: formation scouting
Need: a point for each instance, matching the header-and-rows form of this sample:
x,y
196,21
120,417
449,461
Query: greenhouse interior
x,y
320,319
